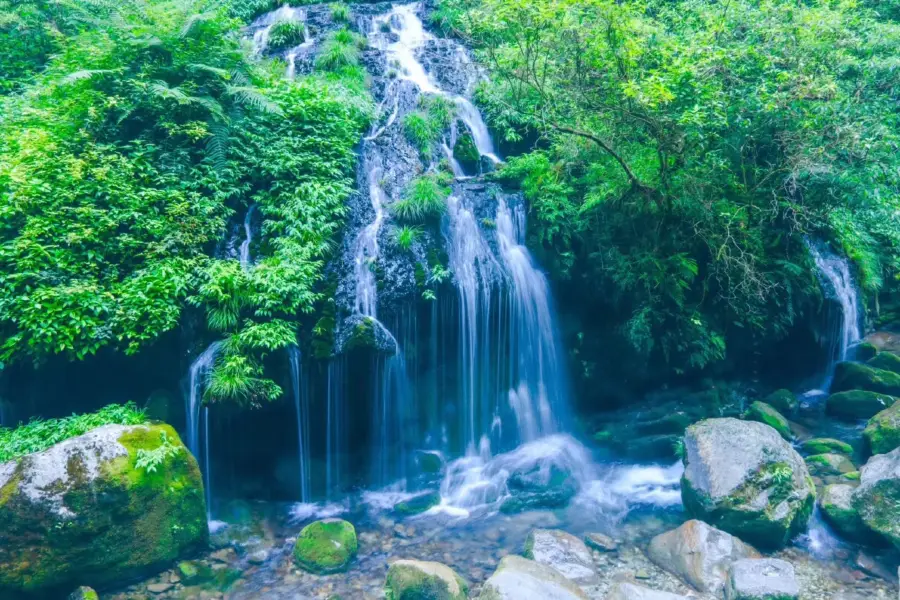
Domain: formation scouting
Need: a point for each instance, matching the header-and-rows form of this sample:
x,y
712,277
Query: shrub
x,y
339,51
286,34
406,236
424,126
340,12
425,199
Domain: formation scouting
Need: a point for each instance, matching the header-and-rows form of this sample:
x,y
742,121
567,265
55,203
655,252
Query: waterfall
x,y
248,238
301,408
263,25
367,249
198,375
837,282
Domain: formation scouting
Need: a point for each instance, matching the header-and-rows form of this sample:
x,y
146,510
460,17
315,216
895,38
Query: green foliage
x,y
285,34
425,199
407,235
340,12
38,435
340,51
425,125
151,460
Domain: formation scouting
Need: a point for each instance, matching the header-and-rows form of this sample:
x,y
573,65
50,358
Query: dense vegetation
x,y
678,153
134,136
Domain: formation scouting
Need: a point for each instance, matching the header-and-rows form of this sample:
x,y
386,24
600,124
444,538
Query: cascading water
x,y
248,238
198,376
262,26
301,407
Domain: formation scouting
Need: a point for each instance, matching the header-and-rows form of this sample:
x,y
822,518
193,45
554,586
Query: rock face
x,y
699,554
83,512
562,551
857,404
882,434
878,495
326,546
629,591
765,413
423,580
762,579
857,376
518,578
743,478
837,508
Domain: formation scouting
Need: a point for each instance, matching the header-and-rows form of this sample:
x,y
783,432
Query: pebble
x,y
259,557
159,588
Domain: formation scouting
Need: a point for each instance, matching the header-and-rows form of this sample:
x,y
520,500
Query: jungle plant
x,y
151,460
425,199
407,235
340,12
285,34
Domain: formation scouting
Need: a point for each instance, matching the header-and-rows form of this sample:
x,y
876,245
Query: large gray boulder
x,y
838,509
629,591
878,495
561,551
699,554
743,478
518,578
762,579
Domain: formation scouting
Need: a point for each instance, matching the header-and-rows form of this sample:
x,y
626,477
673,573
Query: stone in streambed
x,y
518,578
882,433
326,546
83,512
699,554
857,404
878,495
630,591
857,376
784,401
84,593
826,446
537,489
417,504
762,579
423,580
764,413
743,478
429,461
561,551
600,542
885,361
826,465
838,510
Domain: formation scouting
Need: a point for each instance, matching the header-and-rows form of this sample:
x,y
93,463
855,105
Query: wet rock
x,y
826,446
743,478
838,510
886,361
326,546
878,495
858,404
784,401
84,593
762,579
857,376
699,554
629,591
259,557
415,580
825,465
765,413
600,542
518,578
882,434
365,333
538,488
159,588
417,504
429,461
872,566
93,516
561,551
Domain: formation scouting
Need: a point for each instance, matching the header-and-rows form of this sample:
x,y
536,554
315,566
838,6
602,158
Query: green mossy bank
x,y
85,513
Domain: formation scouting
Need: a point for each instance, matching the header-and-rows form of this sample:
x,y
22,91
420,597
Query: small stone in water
x,y
259,557
159,588
601,542
642,574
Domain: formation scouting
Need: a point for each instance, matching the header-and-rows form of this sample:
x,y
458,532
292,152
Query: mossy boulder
x,y
878,495
83,512
858,376
465,151
857,404
882,434
886,361
826,445
744,478
765,413
429,462
417,504
826,465
865,351
84,593
837,508
423,580
326,546
784,401
537,488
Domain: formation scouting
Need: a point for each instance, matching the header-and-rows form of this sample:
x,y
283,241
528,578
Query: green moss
x,y
83,593
887,361
466,152
826,445
858,404
857,376
783,401
326,546
882,433
851,476
285,34
866,351
824,465
419,580
363,335
764,413
417,504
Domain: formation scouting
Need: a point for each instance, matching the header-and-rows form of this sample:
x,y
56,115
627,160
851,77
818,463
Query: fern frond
x,y
253,98
193,20
86,74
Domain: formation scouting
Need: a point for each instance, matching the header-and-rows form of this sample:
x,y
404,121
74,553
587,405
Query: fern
x,y
151,460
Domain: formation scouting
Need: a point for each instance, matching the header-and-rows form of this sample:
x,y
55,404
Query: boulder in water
x,y
826,446
518,578
699,554
865,351
423,580
600,542
878,495
784,401
538,488
765,413
886,361
83,511
429,461
84,593
838,510
562,551
827,465
624,590
857,404
857,376
743,478
326,546
762,579
417,504
882,434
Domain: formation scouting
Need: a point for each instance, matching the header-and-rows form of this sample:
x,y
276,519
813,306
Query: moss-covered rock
x,y
857,404
825,465
537,488
326,546
765,413
744,478
858,376
784,401
429,461
886,361
83,511
837,507
417,504
84,593
878,495
826,446
865,351
465,151
423,580
882,434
